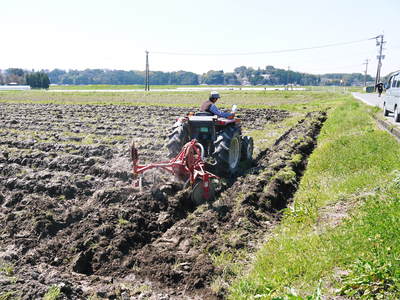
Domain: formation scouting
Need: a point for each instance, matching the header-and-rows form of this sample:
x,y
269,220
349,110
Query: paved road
x,y
373,100
370,98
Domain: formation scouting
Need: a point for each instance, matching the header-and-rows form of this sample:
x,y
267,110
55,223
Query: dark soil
x,y
69,217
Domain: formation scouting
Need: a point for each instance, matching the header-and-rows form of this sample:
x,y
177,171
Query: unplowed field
x,y
69,217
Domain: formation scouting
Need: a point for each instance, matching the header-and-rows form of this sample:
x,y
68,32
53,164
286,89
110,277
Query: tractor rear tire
x,y
227,150
177,139
247,148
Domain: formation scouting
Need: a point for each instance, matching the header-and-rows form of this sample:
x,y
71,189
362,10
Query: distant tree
x,y
213,77
268,75
82,78
65,80
32,80
38,80
250,72
269,69
158,78
44,81
186,78
343,79
56,75
14,75
309,79
231,79
256,79
15,71
241,71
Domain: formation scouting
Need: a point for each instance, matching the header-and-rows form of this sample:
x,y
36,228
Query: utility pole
x,y
365,72
147,83
379,57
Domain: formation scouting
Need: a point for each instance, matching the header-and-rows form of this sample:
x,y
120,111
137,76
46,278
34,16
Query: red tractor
x,y
197,144
221,138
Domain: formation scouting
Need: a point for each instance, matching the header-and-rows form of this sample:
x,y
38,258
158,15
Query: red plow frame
x,y
188,165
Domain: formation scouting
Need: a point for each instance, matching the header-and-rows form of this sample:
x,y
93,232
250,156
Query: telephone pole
x,y
366,70
380,57
147,83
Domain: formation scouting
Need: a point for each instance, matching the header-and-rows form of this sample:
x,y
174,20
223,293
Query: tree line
x,y
240,76
38,80
16,76
101,76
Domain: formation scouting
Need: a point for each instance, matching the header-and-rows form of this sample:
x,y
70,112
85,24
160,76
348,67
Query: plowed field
x,y
69,217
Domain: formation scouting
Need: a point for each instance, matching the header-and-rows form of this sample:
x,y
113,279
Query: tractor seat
x,y
203,113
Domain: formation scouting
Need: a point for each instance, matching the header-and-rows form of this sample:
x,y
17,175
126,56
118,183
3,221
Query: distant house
x,y
245,81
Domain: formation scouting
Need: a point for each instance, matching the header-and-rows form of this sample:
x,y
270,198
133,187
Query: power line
x,y
263,52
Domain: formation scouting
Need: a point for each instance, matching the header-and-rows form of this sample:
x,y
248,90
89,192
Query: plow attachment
x,y
187,166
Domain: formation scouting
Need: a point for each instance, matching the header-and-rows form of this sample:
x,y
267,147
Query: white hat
x,y
215,95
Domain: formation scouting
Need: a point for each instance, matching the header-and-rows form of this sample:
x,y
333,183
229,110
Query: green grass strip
x,y
354,165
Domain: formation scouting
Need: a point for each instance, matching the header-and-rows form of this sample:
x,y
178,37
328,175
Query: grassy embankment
x,y
354,172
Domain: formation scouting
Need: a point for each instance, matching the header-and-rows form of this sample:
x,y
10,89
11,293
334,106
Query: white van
x,y
391,100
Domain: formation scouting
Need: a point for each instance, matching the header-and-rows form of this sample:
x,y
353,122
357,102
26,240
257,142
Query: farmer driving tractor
x,y
210,107
198,137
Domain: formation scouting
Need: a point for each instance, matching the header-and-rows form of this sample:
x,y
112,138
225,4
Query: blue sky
x,y
47,34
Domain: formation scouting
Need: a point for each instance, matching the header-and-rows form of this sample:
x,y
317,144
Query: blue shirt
x,y
219,113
